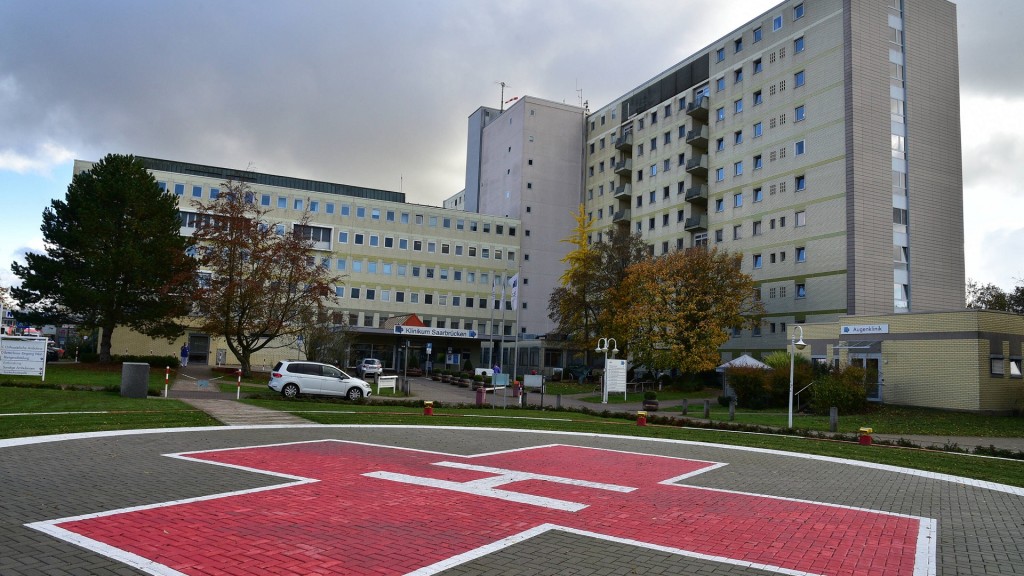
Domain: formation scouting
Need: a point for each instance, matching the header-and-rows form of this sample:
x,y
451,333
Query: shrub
x,y
467,366
724,401
843,388
751,387
650,395
153,361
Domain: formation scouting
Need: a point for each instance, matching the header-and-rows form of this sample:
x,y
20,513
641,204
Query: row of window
x,y
756,227
757,34
416,245
757,65
799,79
758,259
402,269
315,206
426,298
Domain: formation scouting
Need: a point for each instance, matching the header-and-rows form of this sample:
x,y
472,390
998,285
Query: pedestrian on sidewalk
x,y
184,354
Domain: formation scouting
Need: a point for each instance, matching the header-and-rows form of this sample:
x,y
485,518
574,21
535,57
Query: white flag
x,y
514,283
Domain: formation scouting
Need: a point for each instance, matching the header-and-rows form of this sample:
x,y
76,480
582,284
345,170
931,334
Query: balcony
x,y
696,223
698,109
624,143
697,194
698,137
625,167
698,165
621,216
623,191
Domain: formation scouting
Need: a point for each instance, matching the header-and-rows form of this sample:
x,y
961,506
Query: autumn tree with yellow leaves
x,y
676,310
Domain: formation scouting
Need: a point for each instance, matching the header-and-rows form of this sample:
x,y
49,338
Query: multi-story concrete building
x,y
821,140
395,259
525,163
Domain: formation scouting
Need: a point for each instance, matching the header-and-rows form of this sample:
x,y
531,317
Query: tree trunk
x,y
245,361
106,332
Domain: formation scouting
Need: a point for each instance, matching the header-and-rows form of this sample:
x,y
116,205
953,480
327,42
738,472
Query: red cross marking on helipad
x,y
366,509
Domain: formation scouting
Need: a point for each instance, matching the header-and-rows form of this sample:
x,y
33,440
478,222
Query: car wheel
x,y
290,390
354,393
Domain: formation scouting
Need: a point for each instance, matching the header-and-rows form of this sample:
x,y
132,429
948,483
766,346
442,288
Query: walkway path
x,y
197,386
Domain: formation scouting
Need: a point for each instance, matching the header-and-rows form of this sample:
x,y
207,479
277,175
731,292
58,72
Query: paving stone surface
x,y
498,483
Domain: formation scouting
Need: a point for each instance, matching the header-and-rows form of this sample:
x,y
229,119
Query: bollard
x,y
428,408
833,419
167,378
865,436
641,418
732,409
558,402
686,406
481,394
707,409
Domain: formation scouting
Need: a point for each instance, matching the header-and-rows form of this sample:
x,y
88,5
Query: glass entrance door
x,y
871,363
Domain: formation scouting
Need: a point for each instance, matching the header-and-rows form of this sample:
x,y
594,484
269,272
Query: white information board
x,y
23,356
615,374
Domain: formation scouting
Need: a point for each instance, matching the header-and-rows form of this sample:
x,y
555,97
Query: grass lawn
x,y
23,412
81,375
883,419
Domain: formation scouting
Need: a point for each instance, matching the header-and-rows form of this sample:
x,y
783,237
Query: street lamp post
x,y
798,344
602,346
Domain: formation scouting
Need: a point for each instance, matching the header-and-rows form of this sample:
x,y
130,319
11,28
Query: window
x,y
720,54
343,237
737,232
799,78
737,45
718,235
719,174
798,45
354,293
360,212
654,169
667,137
720,114
758,194
720,144
758,67
654,117
282,202
757,162
265,200
757,260
737,200
756,228
737,106
197,192
737,168
798,112
329,207
801,254
719,205
758,129
799,148
777,23
737,137
801,183
801,218
720,84
801,290
996,366
758,34
639,200
798,11
374,240
359,239
737,76
652,197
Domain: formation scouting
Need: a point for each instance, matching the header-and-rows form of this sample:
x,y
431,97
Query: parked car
x,y
291,378
53,353
370,367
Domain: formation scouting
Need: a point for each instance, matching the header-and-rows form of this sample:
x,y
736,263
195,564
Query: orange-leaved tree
x,y
676,310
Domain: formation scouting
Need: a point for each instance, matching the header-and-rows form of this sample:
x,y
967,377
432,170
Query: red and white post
x,y
167,378
238,388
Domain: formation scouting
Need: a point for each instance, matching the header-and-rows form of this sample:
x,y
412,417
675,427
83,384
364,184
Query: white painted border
x,y
982,484
925,562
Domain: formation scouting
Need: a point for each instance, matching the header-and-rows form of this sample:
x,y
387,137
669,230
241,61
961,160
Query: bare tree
x,y
258,279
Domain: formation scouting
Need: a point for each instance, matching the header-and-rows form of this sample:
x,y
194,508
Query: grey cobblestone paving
x,y
980,530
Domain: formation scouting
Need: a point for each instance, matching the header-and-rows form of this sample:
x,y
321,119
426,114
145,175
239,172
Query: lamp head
x,y
800,344
599,349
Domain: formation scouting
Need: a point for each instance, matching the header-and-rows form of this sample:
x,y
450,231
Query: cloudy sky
x,y
377,93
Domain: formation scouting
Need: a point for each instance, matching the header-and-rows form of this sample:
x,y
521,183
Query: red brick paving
x,y
349,523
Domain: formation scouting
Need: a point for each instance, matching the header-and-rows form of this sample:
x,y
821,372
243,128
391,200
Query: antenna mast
x,y
501,105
